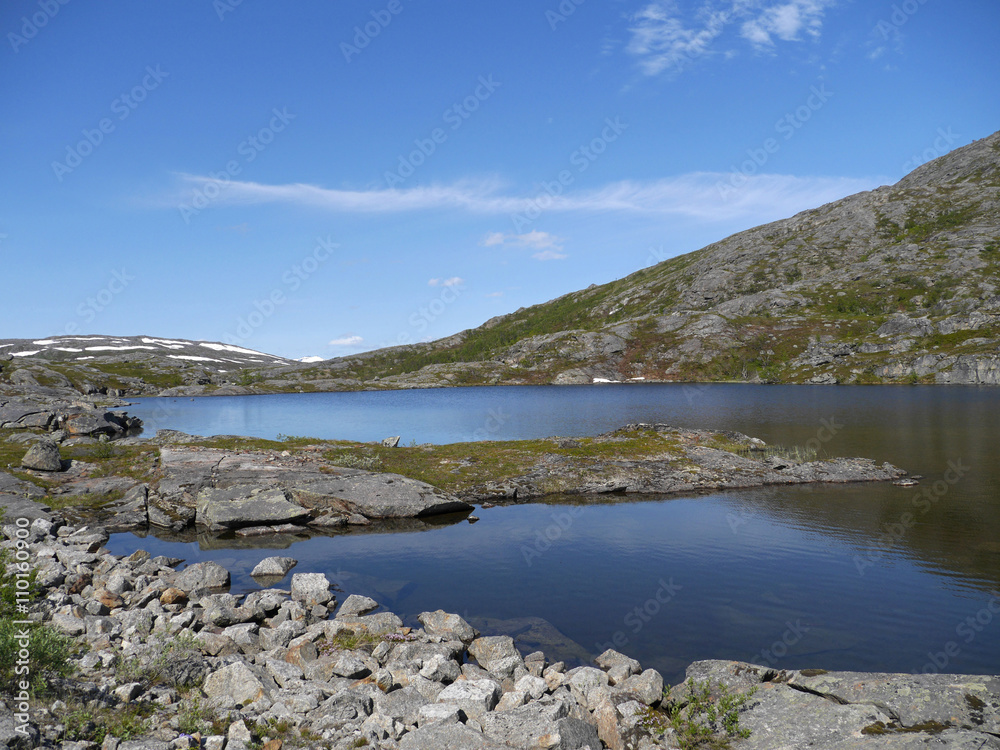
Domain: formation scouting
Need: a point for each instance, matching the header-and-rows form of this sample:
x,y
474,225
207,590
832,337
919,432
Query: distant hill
x,y
129,365
898,284
895,285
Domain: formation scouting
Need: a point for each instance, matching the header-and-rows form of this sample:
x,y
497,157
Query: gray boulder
x,y
499,656
444,734
542,724
274,566
311,588
448,626
244,505
356,605
475,697
201,576
233,685
43,456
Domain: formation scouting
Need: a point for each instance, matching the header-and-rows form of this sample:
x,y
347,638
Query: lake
x,y
868,577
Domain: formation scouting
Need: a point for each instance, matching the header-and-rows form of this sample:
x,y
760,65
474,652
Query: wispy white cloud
x,y
663,39
549,246
453,281
549,255
695,195
347,341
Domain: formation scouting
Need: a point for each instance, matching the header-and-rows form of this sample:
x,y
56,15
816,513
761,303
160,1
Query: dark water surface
x,y
868,577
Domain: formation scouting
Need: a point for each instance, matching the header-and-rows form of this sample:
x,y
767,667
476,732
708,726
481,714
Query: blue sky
x,y
322,178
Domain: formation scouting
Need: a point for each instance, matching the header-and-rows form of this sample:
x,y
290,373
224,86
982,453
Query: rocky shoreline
x,y
169,659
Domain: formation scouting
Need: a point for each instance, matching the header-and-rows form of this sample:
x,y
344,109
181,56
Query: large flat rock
x,y
233,489
847,710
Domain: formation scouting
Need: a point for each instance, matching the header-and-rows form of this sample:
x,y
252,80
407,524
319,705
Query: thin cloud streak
x,y
696,195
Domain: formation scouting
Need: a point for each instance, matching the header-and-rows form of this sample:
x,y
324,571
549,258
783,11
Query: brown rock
x,y
109,600
301,654
173,596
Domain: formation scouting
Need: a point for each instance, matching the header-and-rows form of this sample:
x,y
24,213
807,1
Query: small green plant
x,y
151,672
368,462
104,450
82,724
49,650
701,720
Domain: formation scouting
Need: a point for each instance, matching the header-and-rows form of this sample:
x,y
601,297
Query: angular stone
x,y
444,734
540,724
512,699
246,505
475,697
311,588
612,658
43,456
445,625
585,684
173,596
235,683
201,576
499,656
302,653
440,668
401,705
274,566
433,712
533,686
619,721
648,686
356,605
343,707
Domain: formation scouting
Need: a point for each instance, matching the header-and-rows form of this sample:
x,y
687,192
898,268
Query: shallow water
x,y
870,577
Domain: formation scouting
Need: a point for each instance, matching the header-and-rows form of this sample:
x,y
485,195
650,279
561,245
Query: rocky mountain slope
x,y
898,284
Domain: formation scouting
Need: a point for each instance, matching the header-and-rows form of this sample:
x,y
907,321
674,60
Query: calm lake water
x,y
865,577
